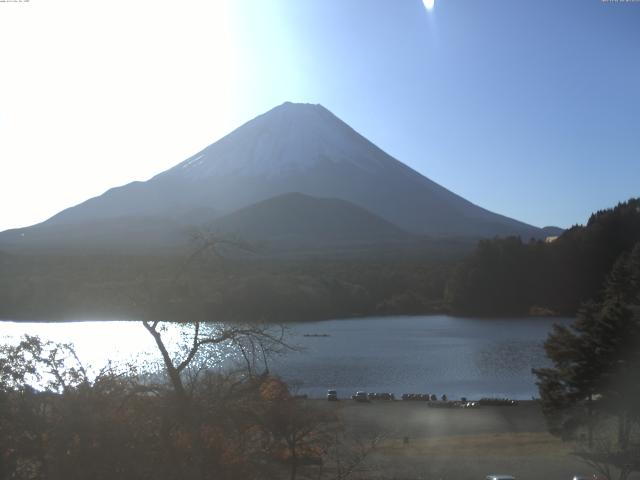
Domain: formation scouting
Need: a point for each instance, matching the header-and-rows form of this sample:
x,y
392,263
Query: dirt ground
x,y
458,444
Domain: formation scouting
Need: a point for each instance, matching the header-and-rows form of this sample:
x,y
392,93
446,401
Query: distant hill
x,y
292,148
298,219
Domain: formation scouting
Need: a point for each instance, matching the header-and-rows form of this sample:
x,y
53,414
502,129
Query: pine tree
x,y
567,391
596,361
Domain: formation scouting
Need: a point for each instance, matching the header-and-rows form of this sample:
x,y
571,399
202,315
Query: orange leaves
x,y
274,389
212,436
182,441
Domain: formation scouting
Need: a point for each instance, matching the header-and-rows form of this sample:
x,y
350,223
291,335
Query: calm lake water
x,y
427,354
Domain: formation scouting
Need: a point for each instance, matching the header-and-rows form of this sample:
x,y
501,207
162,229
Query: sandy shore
x,y
458,443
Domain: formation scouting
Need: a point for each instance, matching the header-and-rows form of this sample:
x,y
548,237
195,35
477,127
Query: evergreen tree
x,y
596,364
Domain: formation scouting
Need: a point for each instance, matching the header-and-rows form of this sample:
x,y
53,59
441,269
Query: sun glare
x,y
428,4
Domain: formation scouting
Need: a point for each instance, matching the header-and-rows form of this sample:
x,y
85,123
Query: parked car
x,y
415,396
500,477
332,395
499,402
360,397
382,396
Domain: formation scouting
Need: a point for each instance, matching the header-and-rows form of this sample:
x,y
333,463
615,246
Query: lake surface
x,y
426,354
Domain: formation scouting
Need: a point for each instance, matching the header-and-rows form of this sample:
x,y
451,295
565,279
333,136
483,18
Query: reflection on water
x,y
506,359
434,354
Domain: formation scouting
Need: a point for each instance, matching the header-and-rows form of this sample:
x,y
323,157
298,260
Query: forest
x,y
214,286
226,281
508,276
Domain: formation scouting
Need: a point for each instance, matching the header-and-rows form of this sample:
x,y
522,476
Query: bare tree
x,y
608,460
297,432
348,454
254,343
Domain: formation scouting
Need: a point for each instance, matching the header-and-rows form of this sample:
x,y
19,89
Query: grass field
x,y
458,444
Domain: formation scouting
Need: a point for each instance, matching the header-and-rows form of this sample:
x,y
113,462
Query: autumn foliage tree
x,y
119,425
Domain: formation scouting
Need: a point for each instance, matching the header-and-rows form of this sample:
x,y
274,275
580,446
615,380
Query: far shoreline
x,y
76,319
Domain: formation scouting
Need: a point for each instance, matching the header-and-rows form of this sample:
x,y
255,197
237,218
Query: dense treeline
x,y
217,287
508,276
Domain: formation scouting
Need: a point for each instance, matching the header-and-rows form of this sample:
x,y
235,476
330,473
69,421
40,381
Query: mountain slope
x,y
296,148
126,234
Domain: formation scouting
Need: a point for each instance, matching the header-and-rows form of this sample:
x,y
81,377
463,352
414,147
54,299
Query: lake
x,y
423,354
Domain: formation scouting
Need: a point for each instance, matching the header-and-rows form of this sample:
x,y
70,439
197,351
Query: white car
x,y
360,397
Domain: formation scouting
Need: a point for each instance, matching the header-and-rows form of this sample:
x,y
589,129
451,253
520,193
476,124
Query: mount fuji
x,y
293,148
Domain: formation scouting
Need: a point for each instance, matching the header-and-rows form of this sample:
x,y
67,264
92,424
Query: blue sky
x,y
530,109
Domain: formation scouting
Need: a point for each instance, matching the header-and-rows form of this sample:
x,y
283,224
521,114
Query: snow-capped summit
x,y
290,138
